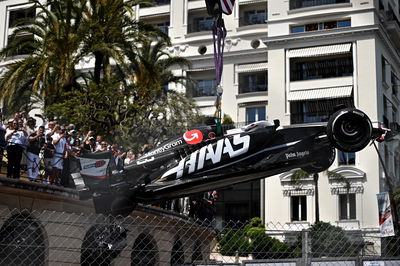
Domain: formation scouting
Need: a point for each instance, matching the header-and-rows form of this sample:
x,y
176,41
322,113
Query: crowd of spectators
x,y
44,151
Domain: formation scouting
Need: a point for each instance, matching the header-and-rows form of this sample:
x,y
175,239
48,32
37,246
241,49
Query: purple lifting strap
x,y
219,34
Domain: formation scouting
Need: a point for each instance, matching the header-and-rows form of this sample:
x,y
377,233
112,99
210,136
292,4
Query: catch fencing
x,y
55,238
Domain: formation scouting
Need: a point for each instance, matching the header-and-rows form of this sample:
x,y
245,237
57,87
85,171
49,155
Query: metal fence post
x,y
305,248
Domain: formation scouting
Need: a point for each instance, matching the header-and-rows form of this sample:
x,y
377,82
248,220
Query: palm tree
x,y
63,33
49,66
111,28
149,67
147,73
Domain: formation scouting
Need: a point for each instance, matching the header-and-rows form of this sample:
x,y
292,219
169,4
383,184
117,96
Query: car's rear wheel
x,y
349,130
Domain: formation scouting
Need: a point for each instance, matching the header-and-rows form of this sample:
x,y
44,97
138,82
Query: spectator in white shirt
x,y
16,138
59,142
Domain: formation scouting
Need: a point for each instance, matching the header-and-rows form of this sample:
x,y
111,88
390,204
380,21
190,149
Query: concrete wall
x,y
65,221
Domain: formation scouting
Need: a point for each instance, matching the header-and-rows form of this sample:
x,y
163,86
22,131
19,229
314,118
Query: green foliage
x,y
232,242
227,120
253,239
126,101
396,198
297,176
331,241
110,111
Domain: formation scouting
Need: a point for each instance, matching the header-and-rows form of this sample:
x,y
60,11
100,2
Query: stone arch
x,y
102,244
22,241
177,253
197,254
144,251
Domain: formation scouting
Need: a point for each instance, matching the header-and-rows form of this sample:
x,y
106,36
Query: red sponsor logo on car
x,y
193,137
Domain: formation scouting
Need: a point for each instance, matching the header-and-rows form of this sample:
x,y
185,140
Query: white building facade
x,y
292,60
324,53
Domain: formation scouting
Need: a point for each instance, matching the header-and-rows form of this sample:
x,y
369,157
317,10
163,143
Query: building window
x,y
294,4
205,87
162,2
160,22
320,68
159,3
201,24
254,114
321,26
18,15
385,111
298,208
253,82
347,206
347,158
344,23
394,80
163,27
253,17
381,6
383,68
25,44
201,83
315,110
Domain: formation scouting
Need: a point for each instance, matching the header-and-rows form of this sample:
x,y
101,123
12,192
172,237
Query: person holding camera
x,y
36,142
89,143
16,138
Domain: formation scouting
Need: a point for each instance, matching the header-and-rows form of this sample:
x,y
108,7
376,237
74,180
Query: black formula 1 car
x,y
200,161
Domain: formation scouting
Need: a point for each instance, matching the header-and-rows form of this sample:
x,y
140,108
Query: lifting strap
x,y
219,35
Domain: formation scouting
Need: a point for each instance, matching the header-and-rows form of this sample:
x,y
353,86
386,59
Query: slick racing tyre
x,y
349,130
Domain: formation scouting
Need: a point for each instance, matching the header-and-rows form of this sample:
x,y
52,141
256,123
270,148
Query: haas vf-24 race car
x,y
200,161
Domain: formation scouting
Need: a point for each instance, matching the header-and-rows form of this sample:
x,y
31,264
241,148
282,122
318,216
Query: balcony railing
x,y
249,89
295,4
200,26
253,19
202,88
308,117
162,2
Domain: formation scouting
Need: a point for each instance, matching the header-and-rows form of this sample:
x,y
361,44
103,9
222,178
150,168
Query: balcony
x,y
392,24
321,68
164,28
162,2
315,111
200,24
158,3
202,88
160,22
253,17
20,17
296,4
253,82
